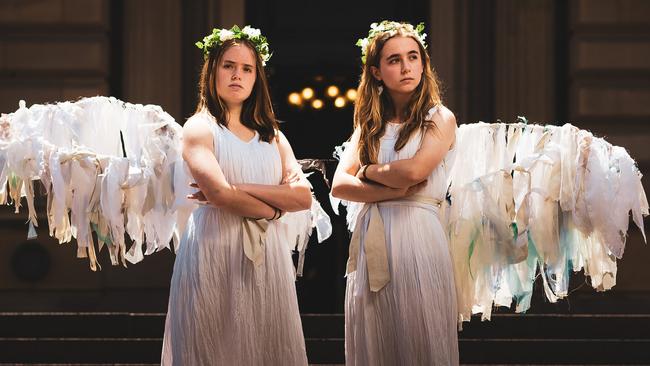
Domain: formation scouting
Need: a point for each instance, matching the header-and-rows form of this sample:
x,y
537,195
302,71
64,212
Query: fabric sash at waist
x,y
375,238
253,236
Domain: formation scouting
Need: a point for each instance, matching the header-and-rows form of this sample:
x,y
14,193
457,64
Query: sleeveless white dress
x,y
413,319
223,310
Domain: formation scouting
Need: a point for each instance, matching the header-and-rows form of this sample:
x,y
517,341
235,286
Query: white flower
x,y
251,32
364,44
422,37
225,35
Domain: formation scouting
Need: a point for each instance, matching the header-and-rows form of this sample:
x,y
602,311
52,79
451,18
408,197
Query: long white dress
x,y
224,310
413,319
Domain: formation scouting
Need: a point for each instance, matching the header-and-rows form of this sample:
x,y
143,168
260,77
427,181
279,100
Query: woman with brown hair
x,y
232,299
400,306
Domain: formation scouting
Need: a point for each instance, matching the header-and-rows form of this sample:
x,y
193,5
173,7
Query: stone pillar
x,y
525,72
152,53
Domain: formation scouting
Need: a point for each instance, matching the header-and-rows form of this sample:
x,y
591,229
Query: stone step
x,y
129,338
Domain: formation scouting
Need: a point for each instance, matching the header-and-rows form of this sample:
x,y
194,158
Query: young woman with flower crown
x,y
400,306
232,299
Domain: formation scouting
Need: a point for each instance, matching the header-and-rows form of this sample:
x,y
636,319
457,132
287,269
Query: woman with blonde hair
x,y
400,306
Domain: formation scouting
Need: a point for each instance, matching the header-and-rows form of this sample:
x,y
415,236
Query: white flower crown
x,y
390,27
219,36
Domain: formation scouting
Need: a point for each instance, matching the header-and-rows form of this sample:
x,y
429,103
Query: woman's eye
x,y
414,57
392,61
227,66
248,69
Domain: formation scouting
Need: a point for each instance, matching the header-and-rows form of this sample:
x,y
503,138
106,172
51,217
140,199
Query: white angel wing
x,y
75,150
96,183
565,195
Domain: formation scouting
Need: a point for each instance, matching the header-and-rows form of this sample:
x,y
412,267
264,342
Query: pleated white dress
x,y
223,310
413,319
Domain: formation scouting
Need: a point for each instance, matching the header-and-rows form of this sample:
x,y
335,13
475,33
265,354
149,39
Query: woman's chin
x,y
404,89
234,98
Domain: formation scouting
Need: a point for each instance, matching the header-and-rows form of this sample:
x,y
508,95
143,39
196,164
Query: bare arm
x,y
348,187
199,156
435,144
292,194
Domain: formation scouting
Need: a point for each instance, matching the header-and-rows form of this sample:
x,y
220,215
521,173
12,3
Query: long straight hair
x,y
373,108
257,111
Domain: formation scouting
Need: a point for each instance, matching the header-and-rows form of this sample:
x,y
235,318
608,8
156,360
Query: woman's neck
x,y
234,114
400,103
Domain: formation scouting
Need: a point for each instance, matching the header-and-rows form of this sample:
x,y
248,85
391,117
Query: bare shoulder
x,y
282,139
445,125
444,119
197,129
283,143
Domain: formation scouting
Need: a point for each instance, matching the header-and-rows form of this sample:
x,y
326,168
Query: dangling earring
x,y
381,89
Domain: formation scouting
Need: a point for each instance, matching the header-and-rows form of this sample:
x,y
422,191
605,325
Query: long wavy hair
x,y
372,108
257,111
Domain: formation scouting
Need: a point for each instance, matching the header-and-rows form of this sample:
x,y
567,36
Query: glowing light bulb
x,y
308,93
339,102
332,91
317,104
351,94
295,99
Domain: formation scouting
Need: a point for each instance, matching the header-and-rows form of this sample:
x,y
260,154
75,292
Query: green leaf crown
x,y
392,28
219,36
